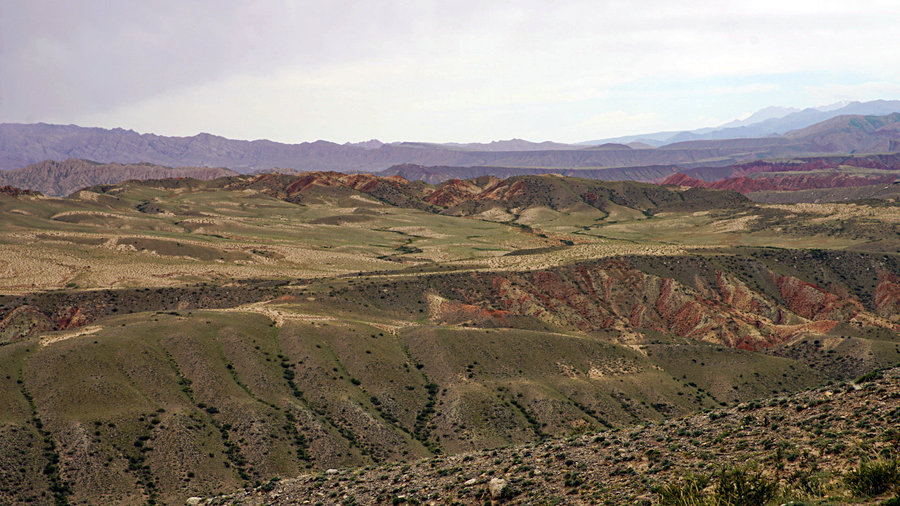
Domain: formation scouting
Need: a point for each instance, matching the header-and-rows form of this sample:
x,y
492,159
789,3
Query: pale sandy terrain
x,y
123,248
580,252
841,212
55,337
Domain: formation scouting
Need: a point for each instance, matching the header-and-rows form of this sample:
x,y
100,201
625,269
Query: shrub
x,y
733,487
743,487
869,376
809,485
872,479
894,501
688,493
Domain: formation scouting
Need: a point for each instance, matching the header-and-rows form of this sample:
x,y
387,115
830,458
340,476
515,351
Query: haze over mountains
x,y
765,122
807,132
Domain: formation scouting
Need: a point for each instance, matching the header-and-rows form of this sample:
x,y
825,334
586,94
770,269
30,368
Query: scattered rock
x,y
497,487
585,458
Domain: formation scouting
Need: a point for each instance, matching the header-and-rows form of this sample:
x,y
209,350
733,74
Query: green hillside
x,y
161,340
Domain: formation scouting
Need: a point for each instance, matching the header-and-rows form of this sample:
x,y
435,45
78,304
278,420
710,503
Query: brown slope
x,y
26,315
12,191
885,192
794,182
62,178
682,179
712,300
870,134
881,162
311,186
562,194
753,300
456,191
473,196
439,174
715,306
630,466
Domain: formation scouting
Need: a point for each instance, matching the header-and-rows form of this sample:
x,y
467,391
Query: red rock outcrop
x,y
453,192
614,295
23,321
12,191
70,317
457,313
815,303
792,182
360,182
887,296
618,295
679,179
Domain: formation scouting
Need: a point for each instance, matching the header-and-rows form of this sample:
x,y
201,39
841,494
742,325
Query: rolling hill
x,y
177,338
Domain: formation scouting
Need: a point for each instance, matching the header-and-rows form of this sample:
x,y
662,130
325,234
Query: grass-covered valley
x,y
167,339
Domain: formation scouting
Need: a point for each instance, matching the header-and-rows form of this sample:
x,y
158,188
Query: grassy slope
x,y
351,371
163,406
803,444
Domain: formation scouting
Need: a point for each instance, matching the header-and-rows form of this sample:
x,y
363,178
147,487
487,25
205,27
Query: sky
x,y
436,71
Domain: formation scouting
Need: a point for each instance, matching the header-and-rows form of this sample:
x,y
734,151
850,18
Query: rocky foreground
x,y
804,446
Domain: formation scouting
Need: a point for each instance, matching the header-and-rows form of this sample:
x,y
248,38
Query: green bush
x,y
870,376
743,487
808,485
688,493
872,479
733,487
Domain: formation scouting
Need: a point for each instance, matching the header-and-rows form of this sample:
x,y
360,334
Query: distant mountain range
x,y
769,121
24,144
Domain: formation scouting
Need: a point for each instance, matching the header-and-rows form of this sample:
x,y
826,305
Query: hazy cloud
x,y
858,91
458,71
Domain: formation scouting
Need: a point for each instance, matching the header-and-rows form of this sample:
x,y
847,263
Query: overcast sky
x,y
461,71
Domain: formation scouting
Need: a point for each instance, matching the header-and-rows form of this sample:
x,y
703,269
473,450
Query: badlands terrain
x,y
349,339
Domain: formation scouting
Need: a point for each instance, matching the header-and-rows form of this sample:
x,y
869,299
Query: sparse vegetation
x,y
391,335
873,478
691,491
616,467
